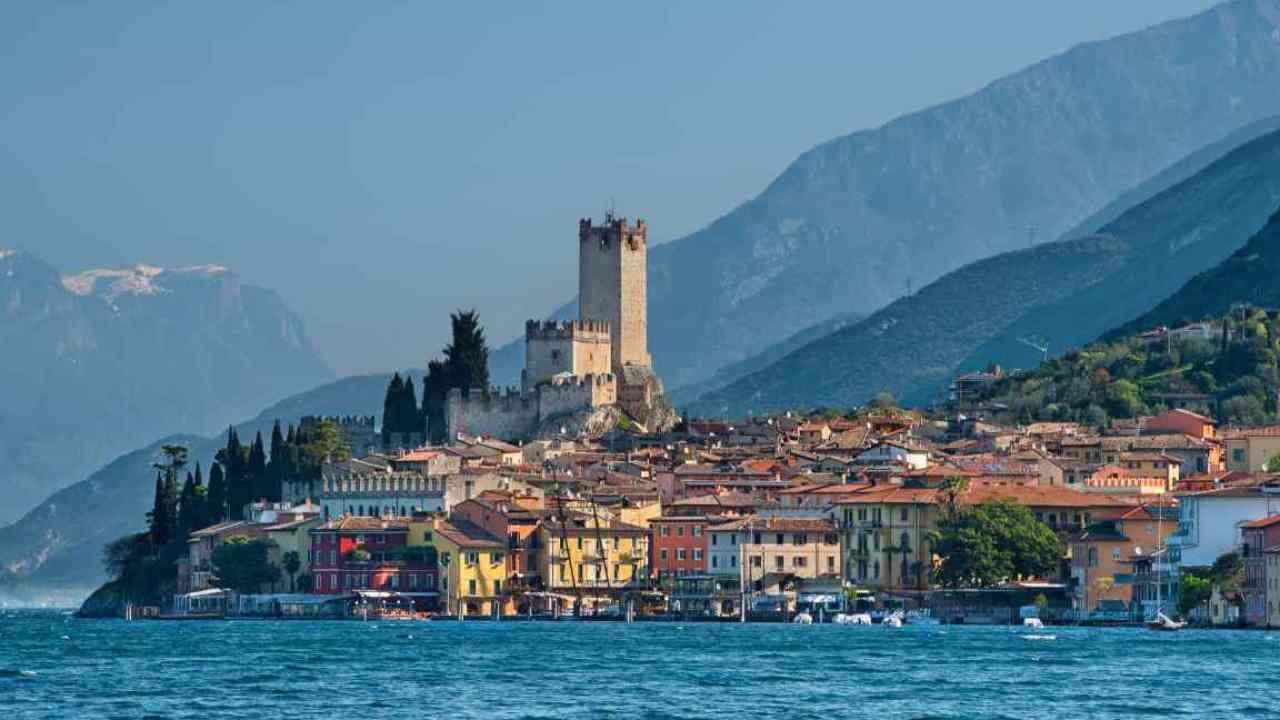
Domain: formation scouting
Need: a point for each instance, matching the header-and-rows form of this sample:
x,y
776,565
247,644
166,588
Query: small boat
x,y
1164,623
1032,623
921,617
893,620
853,619
803,618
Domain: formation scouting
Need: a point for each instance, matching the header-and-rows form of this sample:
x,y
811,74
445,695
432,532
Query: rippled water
x,y
53,666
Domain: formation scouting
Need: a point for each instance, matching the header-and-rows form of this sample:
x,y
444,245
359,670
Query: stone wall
x,y
508,415
582,392
577,347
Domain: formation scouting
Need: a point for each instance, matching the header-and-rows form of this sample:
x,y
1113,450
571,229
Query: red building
x,y
679,546
351,554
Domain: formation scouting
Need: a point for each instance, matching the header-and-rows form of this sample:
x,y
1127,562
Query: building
x,y
592,560
364,553
1103,556
1209,522
600,359
1256,537
379,493
1249,449
1184,422
1272,555
473,564
679,546
765,552
504,517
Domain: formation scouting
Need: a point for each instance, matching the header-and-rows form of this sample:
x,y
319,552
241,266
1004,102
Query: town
x,y
582,495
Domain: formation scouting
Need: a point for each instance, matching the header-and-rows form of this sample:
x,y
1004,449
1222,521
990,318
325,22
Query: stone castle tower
x,y
612,286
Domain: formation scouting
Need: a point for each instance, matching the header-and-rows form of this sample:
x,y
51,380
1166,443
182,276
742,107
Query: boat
x,y
921,617
893,620
1164,623
803,618
853,619
1033,623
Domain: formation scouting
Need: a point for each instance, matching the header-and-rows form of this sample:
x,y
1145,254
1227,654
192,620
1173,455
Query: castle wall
x,y
509,416
583,392
581,348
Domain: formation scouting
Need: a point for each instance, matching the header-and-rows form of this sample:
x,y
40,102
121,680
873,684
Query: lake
x,y
55,666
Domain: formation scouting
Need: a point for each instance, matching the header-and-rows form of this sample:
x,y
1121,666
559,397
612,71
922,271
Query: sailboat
x,y
1161,622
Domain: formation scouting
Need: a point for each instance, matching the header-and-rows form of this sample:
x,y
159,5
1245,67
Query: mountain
x,y
1126,374
55,549
1250,276
105,360
1067,292
844,226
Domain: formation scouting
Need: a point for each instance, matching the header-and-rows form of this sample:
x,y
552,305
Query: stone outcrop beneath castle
x,y
578,347
516,415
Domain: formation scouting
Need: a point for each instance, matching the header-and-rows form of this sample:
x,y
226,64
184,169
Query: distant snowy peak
x,y
140,279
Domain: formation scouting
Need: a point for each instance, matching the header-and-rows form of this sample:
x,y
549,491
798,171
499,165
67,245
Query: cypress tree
x,y
259,483
156,518
409,413
435,390
277,469
216,501
187,509
467,357
391,408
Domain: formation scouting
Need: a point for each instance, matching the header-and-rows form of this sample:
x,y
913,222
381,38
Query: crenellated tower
x,y
612,286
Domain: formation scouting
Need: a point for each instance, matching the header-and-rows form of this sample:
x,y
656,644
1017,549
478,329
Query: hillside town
x,y
581,494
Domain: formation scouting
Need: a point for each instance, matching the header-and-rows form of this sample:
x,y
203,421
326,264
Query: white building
x,y
892,453
1209,522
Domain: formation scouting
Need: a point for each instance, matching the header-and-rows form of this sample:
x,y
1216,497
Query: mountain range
x,y
1061,294
55,550
1029,157
99,362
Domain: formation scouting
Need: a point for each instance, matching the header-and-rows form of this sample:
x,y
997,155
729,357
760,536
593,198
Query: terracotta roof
x,y
1263,523
1247,432
419,455
777,524
363,524
465,534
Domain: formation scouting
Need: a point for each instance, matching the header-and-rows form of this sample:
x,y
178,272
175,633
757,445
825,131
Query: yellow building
x,y
594,559
472,565
884,537
293,536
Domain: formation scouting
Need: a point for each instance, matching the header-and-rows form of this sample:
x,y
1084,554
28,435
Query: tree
x,y
216,503
1273,465
257,470
244,565
435,391
292,564
467,357
391,406
324,442
989,543
1194,590
884,400
410,416
1227,571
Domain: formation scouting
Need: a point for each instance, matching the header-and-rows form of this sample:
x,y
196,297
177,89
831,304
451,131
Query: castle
x,y
600,359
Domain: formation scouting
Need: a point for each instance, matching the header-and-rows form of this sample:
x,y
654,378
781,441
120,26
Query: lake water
x,y
53,666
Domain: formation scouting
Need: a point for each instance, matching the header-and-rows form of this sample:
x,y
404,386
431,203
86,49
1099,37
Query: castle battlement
x,y
615,231
583,381
551,330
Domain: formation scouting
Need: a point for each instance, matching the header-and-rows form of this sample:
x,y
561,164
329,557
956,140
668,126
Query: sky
x,y
380,164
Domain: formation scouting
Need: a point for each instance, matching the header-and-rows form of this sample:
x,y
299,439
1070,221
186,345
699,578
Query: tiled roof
x,y
777,524
1262,523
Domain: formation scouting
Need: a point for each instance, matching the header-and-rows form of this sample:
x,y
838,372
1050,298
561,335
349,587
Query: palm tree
x,y
292,564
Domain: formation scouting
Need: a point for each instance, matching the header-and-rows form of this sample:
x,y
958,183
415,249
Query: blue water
x,y
59,667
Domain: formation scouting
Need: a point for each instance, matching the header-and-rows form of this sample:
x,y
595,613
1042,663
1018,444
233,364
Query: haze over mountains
x,y
1039,151
1066,293
100,362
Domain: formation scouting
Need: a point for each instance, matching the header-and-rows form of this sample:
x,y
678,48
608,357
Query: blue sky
x,y
382,163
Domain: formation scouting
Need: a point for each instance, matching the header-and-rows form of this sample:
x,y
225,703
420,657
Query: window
x,y
697,531
662,554
497,587
333,581
779,562
682,554
697,554
1093,557
680,531
715,561
496,558
471,587
473,558
800,539
395,582
333,557
756,538
579,539
666,530
1237,455
713,539
831,563
413,581
756,561
904,514
778,540
426,536
733,561
800,561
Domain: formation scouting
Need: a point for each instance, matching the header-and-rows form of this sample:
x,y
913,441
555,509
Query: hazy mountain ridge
x,y
1068,292
56,547
842,228
104,360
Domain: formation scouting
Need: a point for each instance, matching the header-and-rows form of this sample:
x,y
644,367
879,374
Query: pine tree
x,y
216,502
391,405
